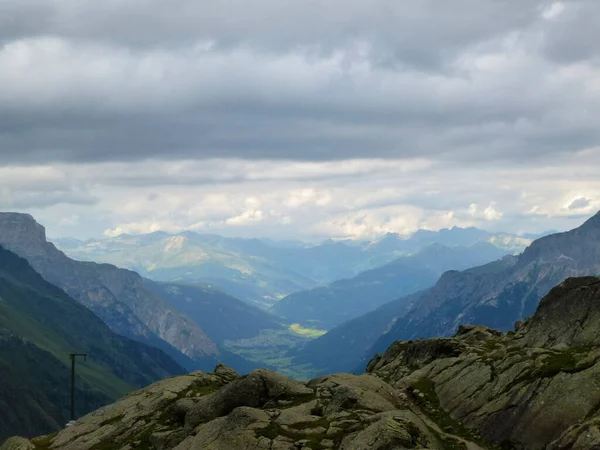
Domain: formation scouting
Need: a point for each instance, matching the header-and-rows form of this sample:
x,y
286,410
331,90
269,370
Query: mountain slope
x,y
499,299
117,296
39,326
221,316
344,300
496,294
352,340
536,388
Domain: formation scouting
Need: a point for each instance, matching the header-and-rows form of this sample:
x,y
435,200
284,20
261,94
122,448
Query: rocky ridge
x,y
537,387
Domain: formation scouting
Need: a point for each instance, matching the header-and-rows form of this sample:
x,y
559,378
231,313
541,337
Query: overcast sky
x,y
299,118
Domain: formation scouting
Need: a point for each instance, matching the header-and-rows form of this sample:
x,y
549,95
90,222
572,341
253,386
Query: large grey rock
x,y
236,431
17,443
261,388
393,431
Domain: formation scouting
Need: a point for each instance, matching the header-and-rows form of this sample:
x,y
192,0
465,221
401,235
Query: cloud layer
x,y
299,118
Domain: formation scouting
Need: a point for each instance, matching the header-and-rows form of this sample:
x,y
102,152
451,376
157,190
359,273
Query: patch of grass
x,y
567,361
271,431
43,442
448,443
312,332
106,445
201,391
299,401
453,444
314,424
141,441
295,432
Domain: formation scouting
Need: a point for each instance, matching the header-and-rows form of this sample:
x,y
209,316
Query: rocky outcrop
x,y
262,410
17,443
534,388
537,387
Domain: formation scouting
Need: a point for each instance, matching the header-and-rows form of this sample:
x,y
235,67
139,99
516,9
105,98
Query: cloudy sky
x,y
299,118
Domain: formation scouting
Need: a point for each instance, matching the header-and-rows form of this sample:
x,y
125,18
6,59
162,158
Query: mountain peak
x,y
21,231
593,221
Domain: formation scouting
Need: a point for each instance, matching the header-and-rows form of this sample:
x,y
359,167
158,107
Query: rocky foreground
x,y
535,388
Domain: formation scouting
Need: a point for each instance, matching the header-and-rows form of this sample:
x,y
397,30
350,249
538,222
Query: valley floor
x,y
271,348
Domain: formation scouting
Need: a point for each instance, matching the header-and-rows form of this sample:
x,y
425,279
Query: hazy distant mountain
x,y
496,295
39,326
261,270
244,268
343,300
450,237
221,316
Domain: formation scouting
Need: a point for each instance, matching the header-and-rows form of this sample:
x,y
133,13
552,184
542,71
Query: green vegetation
x,y
554,362
43,442
296,431
299,329
565,361
271,348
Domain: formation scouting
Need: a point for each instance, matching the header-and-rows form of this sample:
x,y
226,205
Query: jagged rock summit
x,y
537,387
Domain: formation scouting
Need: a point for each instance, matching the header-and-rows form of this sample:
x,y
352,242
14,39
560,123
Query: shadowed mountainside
x,y
39,326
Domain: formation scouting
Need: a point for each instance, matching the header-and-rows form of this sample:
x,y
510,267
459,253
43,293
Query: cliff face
x,y
537,387
119,297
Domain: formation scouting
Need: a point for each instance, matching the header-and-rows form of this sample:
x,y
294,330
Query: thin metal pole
x,y
73,356
72,386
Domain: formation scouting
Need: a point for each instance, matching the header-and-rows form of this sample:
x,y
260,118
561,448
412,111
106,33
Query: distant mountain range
x,y
263,271
329,306
39,326
496,294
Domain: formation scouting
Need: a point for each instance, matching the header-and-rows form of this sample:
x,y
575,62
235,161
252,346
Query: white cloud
x,y
553,11
147,196
491,213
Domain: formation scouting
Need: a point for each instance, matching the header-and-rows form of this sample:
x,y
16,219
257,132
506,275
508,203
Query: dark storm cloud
x,y
567,43
468,80
411,31
579,203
